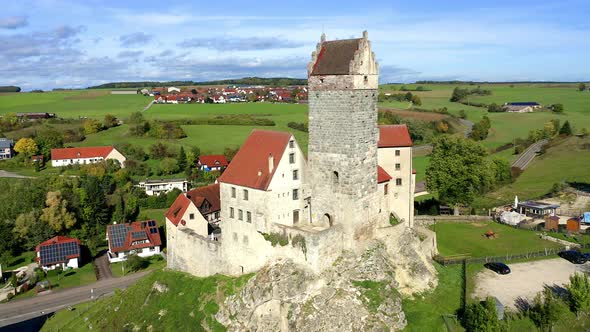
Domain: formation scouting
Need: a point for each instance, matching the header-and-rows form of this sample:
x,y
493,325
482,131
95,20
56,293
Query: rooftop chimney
x,y
271,163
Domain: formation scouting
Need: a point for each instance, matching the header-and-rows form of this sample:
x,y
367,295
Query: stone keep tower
x,y
343,133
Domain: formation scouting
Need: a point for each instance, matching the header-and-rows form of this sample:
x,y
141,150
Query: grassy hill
x,y
186,304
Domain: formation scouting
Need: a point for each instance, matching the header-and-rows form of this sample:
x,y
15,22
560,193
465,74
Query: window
x,y
296,175
231,212
240,214
216,215
386,189
249,216
233,192
397,153
245,194
295,194
191,216
291,158
398,167
295,216
291,144
398,182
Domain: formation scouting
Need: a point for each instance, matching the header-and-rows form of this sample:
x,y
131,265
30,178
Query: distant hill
x,y
9,88
272,81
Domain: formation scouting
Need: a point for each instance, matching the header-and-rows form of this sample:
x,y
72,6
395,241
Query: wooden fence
x,y
460,259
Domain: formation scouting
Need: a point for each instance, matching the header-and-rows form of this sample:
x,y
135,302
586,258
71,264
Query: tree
x,y
26,146
169,166
135,263
463,114
582,86
56,213
48,139
481,317
459,94
501,169
229,153
579,292
110,121
182,162
159,151
566,129
480,130
494,108
547,308
408,96
416,100
29,230
557,108
92,126
458,170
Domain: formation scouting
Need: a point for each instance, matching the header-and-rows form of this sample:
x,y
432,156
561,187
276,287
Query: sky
x,y
46,44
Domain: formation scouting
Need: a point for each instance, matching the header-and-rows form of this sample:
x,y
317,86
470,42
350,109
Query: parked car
x,y
499,268
573,256
586,255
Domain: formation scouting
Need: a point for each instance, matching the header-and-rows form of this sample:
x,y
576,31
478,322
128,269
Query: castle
x,y
356,178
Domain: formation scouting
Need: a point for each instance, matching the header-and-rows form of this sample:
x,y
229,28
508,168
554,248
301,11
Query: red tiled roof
x,y
394,136
213,160
148,232
57,240
53,250
177,209
249,168
83,152
197,196
382,175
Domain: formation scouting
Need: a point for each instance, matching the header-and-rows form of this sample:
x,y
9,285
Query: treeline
x,y
9,88
144,84
460,94
480,130
420,131
272,81
408,96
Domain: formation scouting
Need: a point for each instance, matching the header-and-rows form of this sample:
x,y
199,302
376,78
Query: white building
x,y
6,146
59,251
141,238
85,155
157,187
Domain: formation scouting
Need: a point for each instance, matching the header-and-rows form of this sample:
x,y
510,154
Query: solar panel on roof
x,y
138,235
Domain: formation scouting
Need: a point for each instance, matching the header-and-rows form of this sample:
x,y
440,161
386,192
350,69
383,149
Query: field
x,y
73,104
467,238
566,160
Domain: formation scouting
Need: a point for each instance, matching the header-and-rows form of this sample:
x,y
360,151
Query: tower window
x,y
249,216
240,214
291,158
295,194
398,167
398,182
335,181
245,194
366,78
296,175
386,189
291,144
397,153
231,212
233,192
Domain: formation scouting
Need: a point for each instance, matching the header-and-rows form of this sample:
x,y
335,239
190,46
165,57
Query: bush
x,y
547,309
135,263
298,126
579,292
276,238
481,316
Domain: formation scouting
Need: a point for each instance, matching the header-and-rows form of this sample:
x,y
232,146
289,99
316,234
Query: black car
x,y
499,268
573,256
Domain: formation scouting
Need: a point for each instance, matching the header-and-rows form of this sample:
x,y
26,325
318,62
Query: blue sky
x,y
66,43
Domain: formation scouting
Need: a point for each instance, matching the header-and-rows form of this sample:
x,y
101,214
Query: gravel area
x,y
525,280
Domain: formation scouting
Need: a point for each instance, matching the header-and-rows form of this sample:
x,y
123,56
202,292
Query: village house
x,y
199,210
141,238
163,186
34,116
521,107
213,162
59,251
6,148
85,155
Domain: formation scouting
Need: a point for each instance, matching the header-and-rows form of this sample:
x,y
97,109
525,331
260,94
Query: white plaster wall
x,y
199,224
73,263
401,198
116,155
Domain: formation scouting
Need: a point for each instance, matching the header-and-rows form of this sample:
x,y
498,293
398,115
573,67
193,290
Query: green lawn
x,y
73,278
23,259
467,238
424,312
153,214
420,164
153,262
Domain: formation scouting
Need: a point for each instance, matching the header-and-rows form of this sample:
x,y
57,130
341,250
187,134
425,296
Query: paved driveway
x,y
525,280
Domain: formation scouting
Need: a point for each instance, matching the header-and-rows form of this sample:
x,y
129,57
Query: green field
x,y
420,164
565,161
73,104
467,238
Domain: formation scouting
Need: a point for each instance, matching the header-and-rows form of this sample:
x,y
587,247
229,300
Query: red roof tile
x,y
197,196
83,152
249,168
394,136
54,250
213,160
177,209
142,231
382,175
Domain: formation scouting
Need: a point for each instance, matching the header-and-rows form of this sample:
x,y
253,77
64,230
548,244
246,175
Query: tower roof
x,y
391,136
335,56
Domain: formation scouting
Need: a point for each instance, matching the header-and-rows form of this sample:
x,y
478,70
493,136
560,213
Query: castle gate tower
x,y
343,134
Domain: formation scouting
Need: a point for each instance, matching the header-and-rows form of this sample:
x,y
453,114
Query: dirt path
x,y
103,267
525,280
6,174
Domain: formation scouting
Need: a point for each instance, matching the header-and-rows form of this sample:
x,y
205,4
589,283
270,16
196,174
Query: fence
x,y
453,260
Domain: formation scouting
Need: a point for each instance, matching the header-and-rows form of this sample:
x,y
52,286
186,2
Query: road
x,y
21,310
529,154
468,126
5,174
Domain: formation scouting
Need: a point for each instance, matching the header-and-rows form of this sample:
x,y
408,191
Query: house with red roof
x,y
394,155
213,162
85,155
59,251
140,238
198,210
